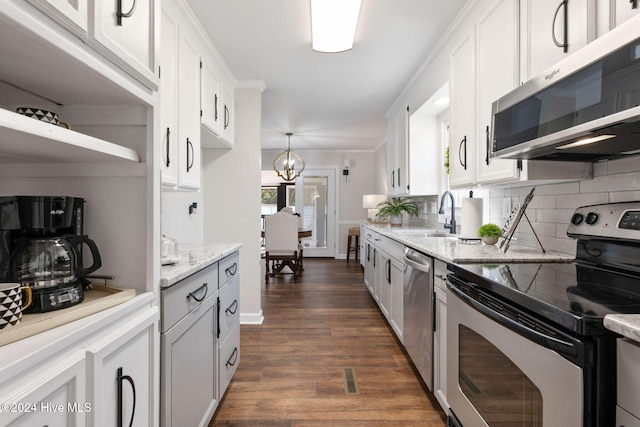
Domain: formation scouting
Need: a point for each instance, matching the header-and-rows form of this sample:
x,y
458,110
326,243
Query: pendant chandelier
x,y
289,164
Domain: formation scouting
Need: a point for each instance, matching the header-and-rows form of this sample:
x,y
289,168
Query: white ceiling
x,y
329,101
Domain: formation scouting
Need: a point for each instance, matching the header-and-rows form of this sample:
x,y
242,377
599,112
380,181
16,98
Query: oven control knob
x,y
591,219
577,218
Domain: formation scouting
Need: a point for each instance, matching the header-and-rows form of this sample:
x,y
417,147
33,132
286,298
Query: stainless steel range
x,y
526,342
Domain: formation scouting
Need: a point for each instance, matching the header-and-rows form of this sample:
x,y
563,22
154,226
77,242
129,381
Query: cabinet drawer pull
x,y
232,270
227,117
233,310
193,157
486,159
565,44
120,14
215,107
193,294
441,277
120,377
463,142
634,4
233,356
167,160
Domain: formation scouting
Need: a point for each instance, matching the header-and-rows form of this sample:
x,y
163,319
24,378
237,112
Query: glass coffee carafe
x,y
45,262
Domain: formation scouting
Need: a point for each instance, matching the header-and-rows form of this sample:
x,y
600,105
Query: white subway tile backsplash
x,y
548,202
623,165
600,168
562,188
554,215
624,196
617,182
572,201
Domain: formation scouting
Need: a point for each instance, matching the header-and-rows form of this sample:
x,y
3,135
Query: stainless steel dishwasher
x,y
418,312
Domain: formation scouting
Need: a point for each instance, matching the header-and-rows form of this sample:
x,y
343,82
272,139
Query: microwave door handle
x,y
565,45
546,341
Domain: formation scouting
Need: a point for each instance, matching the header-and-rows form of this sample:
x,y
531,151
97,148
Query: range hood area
x,y
586,108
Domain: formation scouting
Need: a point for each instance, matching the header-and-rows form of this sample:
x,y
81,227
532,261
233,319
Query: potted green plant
x,y
490,233
394,208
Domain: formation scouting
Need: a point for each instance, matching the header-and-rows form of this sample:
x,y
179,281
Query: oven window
x,y
500,392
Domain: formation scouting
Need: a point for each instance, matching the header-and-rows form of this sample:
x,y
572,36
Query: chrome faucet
x,y
452,224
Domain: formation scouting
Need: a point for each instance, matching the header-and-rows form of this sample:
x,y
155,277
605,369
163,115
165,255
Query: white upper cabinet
x,y
549,31
497,74
126,32
71,14
169,100
212,113
397,139
228,107
462,113
189,154
611,13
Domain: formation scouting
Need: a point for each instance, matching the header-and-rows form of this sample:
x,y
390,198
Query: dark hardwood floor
x,y
291,371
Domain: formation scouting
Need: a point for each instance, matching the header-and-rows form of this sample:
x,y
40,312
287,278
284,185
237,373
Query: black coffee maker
x,y
42,244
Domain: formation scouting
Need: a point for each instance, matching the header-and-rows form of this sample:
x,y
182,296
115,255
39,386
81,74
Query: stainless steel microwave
x,y
585,108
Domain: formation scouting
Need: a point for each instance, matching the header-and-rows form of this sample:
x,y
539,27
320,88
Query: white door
x,y
315,201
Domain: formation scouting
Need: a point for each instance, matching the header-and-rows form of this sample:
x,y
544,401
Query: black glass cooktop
x,y
574,296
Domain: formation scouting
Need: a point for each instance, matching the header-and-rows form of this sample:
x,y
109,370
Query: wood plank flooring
x,y
291,367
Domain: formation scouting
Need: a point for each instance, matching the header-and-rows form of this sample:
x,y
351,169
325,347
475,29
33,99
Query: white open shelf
x,y
27,140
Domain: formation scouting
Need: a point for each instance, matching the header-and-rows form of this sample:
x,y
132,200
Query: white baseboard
x,y
251,318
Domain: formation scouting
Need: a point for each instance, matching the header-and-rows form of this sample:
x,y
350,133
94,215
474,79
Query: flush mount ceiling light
x,y
286,163
333,24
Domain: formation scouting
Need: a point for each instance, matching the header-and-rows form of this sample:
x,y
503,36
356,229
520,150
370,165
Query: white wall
x,y
176,221
362,180
231,198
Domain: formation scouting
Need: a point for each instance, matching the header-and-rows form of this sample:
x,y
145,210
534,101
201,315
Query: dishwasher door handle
x,y
417,263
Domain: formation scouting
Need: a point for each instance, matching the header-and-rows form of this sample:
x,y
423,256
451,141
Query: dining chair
x,y
281,245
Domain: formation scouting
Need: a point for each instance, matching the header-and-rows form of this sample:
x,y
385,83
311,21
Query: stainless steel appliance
x,y
418,312
585,108
41,246
526,342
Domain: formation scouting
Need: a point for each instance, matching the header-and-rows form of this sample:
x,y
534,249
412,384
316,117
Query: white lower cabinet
x,y
189,396
628,383
229,357
440,334
45,398
121,374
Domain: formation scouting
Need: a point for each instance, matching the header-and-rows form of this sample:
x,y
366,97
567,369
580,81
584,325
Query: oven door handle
x,y
546,341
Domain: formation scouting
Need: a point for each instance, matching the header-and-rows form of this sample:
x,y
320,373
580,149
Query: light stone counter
x,y
450,248
627,325
193,258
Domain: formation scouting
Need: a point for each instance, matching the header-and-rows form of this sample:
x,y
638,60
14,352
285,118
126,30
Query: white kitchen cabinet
x,y
43,399
189,391
462,113
121,369
169,99
71,14
228,337
189,153
611,13
228,110
370,254
396,317
397,134
497,74
440,334
212,114
383,282
539,24
628,383
128,37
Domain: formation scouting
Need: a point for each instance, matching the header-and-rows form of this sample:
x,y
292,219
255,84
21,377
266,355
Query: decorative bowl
x,y
39,114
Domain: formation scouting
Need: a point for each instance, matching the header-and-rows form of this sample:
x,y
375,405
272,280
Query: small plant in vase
x,y
490,233
394,208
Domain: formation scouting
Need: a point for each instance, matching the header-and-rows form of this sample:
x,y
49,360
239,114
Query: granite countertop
x,y
450,248
193,258
627,325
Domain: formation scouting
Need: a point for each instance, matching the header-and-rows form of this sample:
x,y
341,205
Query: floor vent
x,y
350,384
